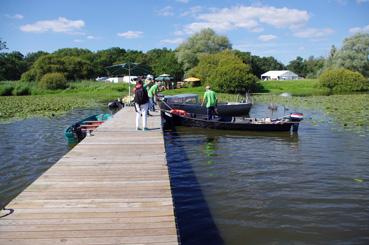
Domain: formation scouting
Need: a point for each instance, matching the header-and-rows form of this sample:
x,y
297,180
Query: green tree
x,y
107,57
314,66
32,57
73,68
225,72
12,65
164,61
2,45
353,55
259,65
298,66
204,42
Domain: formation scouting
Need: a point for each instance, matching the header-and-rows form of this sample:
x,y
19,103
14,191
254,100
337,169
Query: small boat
x,y
190,103
78,131
177,117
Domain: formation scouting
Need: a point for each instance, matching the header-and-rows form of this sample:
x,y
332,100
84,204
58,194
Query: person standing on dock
x,y
141,104
153,91
211,102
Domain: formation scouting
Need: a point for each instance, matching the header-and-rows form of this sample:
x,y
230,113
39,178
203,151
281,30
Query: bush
x,y
6,90
22,89
53,81
29,76
343,80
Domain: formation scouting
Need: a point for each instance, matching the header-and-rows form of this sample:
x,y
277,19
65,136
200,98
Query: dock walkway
x,y
112,188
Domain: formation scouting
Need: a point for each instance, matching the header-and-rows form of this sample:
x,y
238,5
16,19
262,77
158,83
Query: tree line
x,y
206,55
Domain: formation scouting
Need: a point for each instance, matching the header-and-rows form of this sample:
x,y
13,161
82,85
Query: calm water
x,y
233,188
263,188
29,147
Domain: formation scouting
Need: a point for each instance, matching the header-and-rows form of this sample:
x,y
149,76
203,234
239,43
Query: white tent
x,y
279,75
124,79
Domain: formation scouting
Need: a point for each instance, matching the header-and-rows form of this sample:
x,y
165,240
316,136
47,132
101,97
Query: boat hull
x,y
74,133
176,120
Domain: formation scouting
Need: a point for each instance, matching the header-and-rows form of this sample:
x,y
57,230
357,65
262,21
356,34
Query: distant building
x,y
124,79
279,75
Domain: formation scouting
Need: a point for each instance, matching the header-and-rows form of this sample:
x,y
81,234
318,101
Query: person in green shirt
x,y
153,91
211,102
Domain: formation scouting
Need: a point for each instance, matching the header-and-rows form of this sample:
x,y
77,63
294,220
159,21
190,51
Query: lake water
x,y
233,187
31,146
271,188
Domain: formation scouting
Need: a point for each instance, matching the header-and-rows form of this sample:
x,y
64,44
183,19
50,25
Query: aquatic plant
x,y
349,111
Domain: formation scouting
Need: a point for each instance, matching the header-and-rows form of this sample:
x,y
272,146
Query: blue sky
x,y
282,29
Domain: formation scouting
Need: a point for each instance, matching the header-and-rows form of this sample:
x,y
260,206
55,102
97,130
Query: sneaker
x,y
145,129
137,128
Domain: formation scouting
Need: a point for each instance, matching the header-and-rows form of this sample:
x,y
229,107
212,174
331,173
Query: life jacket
x,y
179,112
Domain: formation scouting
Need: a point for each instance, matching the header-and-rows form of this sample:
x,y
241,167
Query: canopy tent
x,y
163,78
130,69
192,79
279,75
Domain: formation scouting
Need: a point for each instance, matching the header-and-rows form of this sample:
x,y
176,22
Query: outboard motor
x,y
296,117
77,132
115,105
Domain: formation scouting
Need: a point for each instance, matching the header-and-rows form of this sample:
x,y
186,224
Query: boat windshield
x,y
183,99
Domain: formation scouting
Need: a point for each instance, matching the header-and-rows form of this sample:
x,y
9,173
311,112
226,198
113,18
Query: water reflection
x,y
194,220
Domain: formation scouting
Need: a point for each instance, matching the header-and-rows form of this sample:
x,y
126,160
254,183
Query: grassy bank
x,y
305,87
83,94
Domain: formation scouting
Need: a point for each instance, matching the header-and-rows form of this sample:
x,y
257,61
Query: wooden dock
x,y
112,188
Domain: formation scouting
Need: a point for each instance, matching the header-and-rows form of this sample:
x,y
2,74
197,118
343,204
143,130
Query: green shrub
x,y
29,76
22,89
6,90
53,81
343,80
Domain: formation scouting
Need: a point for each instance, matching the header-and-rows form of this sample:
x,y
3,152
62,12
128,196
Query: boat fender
x,y
178,112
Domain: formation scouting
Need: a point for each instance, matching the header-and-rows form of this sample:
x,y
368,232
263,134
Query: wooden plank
x,y
112,188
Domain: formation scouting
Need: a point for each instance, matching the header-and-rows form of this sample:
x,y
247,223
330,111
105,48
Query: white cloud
x,y
172,41
359,29
77,40
267,38
130,34
183,1
313,33
192,11
166,11
16,16
362,1
250,18
61,24
91,37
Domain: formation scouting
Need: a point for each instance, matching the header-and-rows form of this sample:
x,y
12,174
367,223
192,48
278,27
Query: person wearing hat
x,y
211,102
